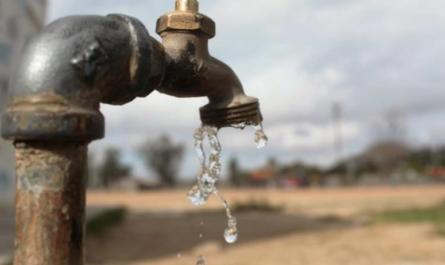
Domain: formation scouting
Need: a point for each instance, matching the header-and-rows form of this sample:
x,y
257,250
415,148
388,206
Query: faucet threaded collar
x,y
247,114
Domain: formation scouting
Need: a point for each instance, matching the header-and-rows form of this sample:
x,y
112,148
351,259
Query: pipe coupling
x,y
72,66
186,21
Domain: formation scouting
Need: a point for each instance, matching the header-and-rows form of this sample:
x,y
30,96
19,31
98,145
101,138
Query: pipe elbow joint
x,y
67,70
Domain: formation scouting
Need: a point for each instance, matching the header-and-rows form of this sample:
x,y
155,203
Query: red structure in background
x,y
437,173
261,177
290,182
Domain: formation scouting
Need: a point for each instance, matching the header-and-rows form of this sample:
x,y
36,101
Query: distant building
x,y
19,21
261,178
289,182
437,173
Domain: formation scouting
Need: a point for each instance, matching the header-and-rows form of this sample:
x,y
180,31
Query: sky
x,y
299,57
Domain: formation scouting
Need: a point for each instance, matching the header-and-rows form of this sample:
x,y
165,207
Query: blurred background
x,y
353,101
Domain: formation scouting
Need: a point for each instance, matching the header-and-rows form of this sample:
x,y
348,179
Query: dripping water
x,y
209,174
260,137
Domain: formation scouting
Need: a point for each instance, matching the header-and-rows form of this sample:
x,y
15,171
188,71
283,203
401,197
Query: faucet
x,y
192,72
64,73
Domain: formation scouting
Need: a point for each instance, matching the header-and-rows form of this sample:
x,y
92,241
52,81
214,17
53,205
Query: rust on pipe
x,y
50,203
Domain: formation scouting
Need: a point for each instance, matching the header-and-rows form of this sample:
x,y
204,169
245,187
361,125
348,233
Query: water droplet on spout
x,y
260,137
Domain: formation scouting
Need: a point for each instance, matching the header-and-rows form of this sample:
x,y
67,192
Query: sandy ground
x,y
320,227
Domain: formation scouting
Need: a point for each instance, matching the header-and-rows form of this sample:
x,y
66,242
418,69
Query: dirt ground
x,y
319,227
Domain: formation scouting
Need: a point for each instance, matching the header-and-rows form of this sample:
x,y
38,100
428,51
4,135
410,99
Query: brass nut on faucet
x,y
186,21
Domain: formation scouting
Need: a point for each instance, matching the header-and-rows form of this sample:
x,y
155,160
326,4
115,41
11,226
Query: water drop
x,y
208,178
200,235
202,223
195,196
231,234
241,126
209,175
179,255
229,213
260,137
225,204
232,222
200,133
201,260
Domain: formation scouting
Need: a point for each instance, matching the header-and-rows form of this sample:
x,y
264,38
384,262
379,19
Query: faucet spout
x,y
190,70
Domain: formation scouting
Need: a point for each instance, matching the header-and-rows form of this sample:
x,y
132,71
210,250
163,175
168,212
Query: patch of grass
x,y
254,205
331,219
98,224
8,261
440,230
434,215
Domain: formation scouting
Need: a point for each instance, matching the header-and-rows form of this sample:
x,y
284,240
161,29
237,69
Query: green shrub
x,y
440,230
414,215
102,221
254,205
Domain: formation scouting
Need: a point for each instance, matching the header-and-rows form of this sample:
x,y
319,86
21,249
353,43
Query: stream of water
x,y
209,174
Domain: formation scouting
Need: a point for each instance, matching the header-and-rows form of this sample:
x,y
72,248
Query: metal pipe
x,y
65,72
50,203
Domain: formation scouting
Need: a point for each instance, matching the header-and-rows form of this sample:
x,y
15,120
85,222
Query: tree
x,y
112,170
272,164
235,174
164,158
387,155
390,126
389,148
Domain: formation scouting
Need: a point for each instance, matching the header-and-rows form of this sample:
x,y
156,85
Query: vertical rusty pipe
x,y
50,203
63,75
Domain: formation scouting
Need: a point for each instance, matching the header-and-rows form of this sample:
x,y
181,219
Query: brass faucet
x,y
63,75
192,72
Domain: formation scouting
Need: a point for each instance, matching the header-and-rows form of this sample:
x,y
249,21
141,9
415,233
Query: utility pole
x,y
337,113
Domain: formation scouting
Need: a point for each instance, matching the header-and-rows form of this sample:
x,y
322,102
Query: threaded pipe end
x,y
247,114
